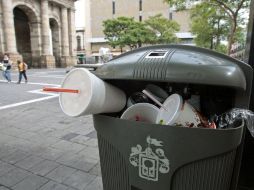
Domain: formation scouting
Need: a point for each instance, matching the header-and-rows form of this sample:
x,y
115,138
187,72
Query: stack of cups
x,y
179,113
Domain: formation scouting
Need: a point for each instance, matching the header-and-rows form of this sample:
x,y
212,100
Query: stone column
x,y
65,37
8,26
72,32
45,27
47,60
72,36
1,31
35,37
9,32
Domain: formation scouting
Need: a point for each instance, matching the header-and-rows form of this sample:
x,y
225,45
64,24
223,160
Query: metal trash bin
x,y
141,156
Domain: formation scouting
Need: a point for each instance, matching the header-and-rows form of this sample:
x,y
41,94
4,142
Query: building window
x,y
140,5
78,43
140,18
114,7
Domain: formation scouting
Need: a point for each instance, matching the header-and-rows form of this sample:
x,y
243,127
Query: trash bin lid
x,y
176,63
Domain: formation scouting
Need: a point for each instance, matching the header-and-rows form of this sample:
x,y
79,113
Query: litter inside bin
x,y
137,97
159,94
170,110
233,116
154,99
144,112
174,111
180,113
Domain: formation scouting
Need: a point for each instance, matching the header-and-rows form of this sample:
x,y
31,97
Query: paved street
x,y
40,147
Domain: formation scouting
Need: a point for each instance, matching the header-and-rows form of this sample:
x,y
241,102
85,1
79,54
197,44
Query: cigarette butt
x,y
61,90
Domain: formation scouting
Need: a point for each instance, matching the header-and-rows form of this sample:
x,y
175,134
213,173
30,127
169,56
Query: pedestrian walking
x,y
22,67
7,68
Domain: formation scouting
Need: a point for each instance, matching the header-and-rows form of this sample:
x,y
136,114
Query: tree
x,y
164,29
231,8
138,34
126,31
209,25
114,30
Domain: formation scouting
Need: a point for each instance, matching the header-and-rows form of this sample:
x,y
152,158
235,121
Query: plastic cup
x,y
95,95
188,117
143,112
178,113
170,111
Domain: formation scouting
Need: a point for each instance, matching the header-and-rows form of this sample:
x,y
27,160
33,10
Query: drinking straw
x,y
60,90
149,95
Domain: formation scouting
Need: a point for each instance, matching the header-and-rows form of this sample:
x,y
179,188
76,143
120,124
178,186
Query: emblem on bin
x,y
150,162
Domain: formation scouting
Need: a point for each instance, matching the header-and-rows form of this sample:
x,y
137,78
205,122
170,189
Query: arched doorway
x,y
55,40
22,31
27,30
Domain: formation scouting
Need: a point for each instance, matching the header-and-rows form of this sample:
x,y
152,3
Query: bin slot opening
x,y
157,54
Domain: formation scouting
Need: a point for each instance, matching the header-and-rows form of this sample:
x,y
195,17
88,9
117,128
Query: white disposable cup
x,y
188,117
95,95
144,112
178,112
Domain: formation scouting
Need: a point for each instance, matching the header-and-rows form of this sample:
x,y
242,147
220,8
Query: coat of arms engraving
x,y
150,161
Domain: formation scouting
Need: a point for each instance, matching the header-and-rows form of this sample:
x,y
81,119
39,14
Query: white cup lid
x,y
75,104
173,104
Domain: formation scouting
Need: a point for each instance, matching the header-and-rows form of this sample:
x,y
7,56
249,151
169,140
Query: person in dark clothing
x,y
22,67
7,70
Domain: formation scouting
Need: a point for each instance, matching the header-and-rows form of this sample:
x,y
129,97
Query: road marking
x,y
36,83
52,76
46,76
27,102
38,91
43,84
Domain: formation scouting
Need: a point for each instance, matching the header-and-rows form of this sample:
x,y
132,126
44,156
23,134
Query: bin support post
x,y
249,55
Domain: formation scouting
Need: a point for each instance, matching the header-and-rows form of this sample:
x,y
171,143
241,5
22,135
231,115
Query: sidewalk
x,y
41,148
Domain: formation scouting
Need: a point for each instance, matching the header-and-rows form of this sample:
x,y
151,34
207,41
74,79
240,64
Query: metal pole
x,y
247,164
249,56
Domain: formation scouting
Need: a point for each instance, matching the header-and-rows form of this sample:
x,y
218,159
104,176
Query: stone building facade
x,y
109,9
80,36
99,10
41,32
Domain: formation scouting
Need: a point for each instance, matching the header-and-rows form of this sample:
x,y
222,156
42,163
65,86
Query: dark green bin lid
x,y
177,63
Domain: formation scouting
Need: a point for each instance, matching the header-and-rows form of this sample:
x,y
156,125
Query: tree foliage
x,y
137,34
163,29
232,9
115,29
124,31
209,25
